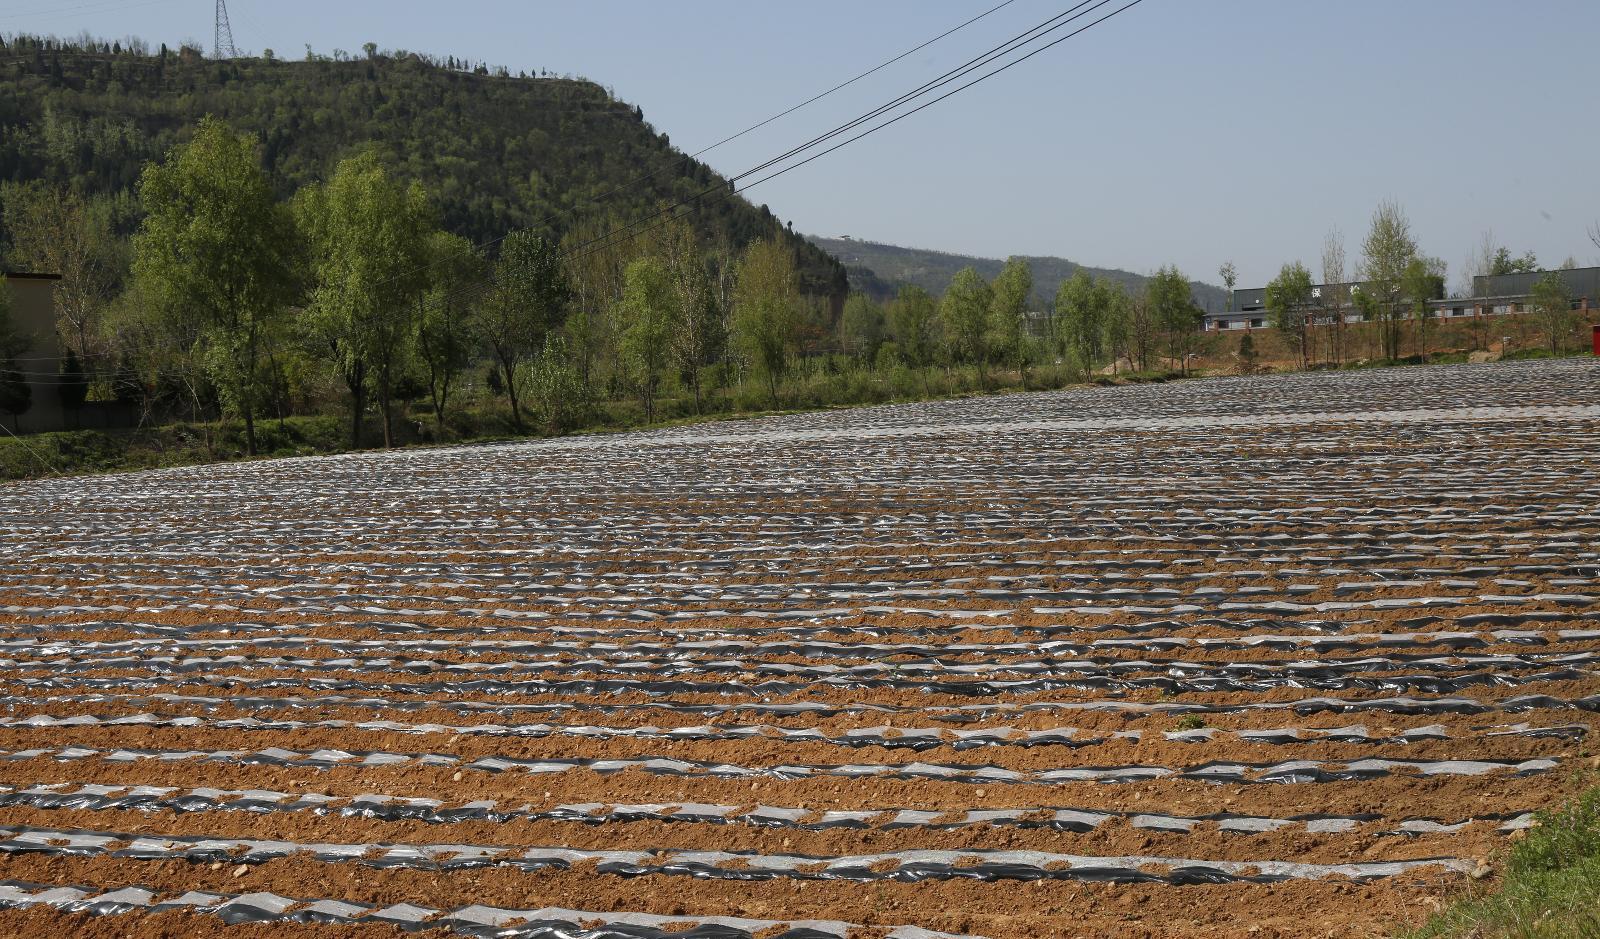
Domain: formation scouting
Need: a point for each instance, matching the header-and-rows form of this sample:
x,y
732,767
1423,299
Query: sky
x,y
1186,132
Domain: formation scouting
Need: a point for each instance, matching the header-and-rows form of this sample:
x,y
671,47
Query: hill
x,y
880,269
495,152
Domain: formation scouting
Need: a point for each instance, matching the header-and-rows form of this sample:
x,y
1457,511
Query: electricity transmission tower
x,y
222,44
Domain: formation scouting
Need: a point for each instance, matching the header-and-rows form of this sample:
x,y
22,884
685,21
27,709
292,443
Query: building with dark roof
x,y
33,314
1492,295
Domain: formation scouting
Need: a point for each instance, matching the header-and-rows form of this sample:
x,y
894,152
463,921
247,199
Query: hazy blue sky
x,y
1186,131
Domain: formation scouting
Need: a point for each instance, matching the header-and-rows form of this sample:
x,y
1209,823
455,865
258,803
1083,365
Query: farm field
x,y
1288,656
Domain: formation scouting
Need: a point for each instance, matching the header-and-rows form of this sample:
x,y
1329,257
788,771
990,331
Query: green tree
x,y
913,320
1230,277
218,249
1081,315
766,309
699,331
554,388
1422,281
1143,329
447,337
1119,323
370,236
526,302
1247,354
1008,310
56,231
1175,314
647,318
1387,250
863,328
964,320
1503,263
1289,299
1552,303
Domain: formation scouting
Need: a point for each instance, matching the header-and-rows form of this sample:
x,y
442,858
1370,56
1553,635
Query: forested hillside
x,y
880,269
495,152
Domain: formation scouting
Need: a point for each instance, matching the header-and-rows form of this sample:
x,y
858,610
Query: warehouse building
x,y
1492,295
33,314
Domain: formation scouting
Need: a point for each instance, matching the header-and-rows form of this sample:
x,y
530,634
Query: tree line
x,y
237,302
1394,284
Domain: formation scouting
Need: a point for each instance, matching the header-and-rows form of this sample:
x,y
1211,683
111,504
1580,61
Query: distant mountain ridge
x,y
879,270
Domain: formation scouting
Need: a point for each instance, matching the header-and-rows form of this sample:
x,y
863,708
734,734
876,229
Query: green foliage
x,y
1230,277
1386,253
1552,303
881,270
913,320
699,335
370,238
527,300
1289,305
1174,313
1008,308
217,253
863,328
54,230
766,310
555,390
647,317
1247,354
1082,311
1422,281
496,154
964,319
1550,889
447,338
1503,263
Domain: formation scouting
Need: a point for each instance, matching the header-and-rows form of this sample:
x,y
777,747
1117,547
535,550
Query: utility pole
x,y
222,42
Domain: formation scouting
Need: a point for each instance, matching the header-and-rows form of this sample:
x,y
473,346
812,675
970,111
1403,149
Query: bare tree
x,y
1334,292
1386,252
1480,263
1141,329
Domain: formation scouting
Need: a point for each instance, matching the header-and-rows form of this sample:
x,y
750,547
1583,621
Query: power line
x,y
986,58
99,6
845,84
625,186
728,191
1022,39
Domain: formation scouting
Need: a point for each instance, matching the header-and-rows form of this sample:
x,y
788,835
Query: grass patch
x,y
1551,887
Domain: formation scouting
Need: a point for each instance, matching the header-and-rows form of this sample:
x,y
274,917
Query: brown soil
x,y
1187,532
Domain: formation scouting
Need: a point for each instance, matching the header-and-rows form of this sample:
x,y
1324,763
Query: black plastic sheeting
x,y
954,715
1157,630
1293,771
243,909
1418,683
1078,821
256,638
915,739
907,866
1095,672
